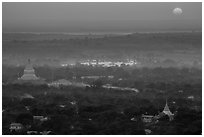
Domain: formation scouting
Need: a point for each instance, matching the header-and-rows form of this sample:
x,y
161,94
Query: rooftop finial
x,y
28,61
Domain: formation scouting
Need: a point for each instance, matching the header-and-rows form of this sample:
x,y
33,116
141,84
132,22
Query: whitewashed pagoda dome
x,y
29,72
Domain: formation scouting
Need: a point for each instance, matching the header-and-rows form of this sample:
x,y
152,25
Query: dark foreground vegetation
x,y
95,110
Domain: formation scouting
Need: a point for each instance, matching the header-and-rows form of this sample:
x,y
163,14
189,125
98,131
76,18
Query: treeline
x,y
159,74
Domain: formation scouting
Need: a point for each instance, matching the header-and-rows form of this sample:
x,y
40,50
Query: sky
x,y
99,17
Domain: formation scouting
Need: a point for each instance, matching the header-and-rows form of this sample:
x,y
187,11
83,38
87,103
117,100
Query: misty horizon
x,y
100,17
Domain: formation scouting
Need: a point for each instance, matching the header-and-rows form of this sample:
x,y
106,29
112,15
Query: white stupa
x,y
29,73
29,76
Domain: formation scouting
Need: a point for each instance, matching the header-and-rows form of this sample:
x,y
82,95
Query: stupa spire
x,y
166,109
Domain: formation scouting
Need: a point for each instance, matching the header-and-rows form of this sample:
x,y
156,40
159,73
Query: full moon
x,y
177,11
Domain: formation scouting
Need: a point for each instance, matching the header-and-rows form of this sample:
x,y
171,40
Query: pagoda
x,y
167,112
155,119
29,76
29,73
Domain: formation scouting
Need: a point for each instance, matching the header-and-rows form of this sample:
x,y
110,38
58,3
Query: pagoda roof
x,y
167,110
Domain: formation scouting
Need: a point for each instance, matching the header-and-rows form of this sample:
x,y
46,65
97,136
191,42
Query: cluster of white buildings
x,y
94,62
108,63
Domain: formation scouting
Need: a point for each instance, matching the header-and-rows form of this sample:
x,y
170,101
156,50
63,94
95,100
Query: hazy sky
x,y
88,17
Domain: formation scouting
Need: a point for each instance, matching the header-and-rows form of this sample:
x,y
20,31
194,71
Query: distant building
x,y
17,127
147,118
167,112
148,131
40,118
46,133
60,82
32,132
190,97
29,76
154,119
180,91
133,119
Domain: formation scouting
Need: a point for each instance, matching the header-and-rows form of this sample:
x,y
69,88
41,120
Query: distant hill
x,y
139,41
24,45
